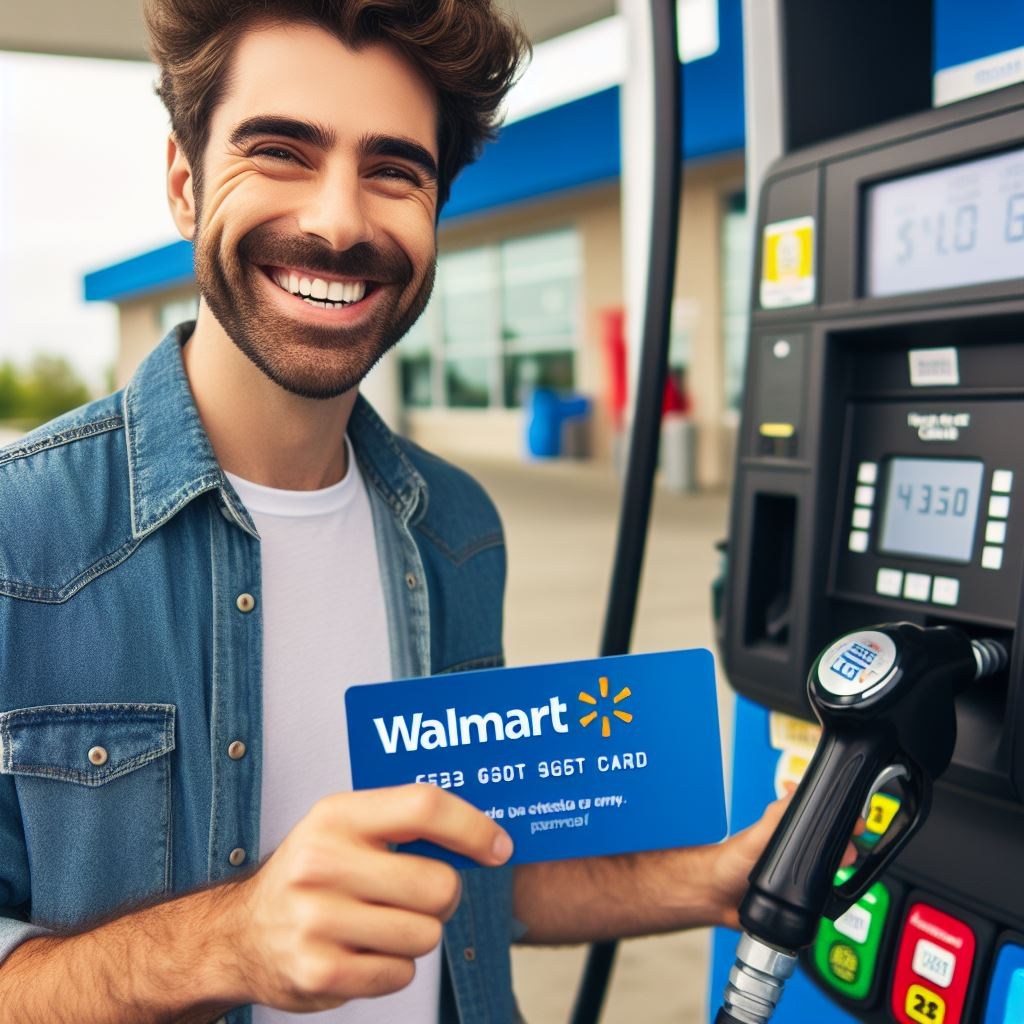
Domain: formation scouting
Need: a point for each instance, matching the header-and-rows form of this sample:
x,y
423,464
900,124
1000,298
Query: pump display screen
x,y
956,226
931,508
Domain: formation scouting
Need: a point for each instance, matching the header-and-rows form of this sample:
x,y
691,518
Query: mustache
x,y
265,247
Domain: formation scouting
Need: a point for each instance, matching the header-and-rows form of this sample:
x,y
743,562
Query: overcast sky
x,y
82,146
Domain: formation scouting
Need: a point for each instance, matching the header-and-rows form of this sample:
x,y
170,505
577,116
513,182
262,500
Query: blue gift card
x,y
579,759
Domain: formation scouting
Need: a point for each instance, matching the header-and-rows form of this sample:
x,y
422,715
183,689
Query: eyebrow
x,y
322,137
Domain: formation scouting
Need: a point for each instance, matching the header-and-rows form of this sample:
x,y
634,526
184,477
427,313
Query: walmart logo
x,y
606,725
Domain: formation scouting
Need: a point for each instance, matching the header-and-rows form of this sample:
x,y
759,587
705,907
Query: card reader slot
x,y
769,592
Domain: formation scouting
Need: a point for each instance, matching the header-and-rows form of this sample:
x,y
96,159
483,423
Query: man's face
x,y
315,244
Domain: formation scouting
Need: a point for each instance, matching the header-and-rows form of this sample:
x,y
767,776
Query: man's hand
x,y
736,857
334,914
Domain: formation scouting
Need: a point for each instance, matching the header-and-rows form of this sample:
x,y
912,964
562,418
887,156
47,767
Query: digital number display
x,y
943,229
931,508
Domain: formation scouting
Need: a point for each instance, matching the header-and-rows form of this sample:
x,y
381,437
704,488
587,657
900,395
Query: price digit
x,y
960,497
1015,218
905,233
966,232
943,505
905,492
926,500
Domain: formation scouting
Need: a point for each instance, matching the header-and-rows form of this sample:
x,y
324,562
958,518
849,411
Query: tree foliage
x,y
35,394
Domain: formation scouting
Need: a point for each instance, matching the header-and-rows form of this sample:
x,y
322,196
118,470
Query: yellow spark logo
x,y
606,726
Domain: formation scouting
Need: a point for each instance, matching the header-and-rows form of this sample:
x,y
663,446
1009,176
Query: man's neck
x,y
258,430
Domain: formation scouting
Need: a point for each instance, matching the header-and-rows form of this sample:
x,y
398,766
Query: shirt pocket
x,y
94,789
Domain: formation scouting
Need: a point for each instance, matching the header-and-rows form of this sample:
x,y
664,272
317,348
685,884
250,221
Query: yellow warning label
x,y
883,810
786,732
787,263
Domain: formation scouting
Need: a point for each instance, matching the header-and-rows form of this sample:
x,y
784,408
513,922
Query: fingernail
x,y
502,848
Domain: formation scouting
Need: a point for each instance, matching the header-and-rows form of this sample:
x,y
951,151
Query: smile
x,y
318,291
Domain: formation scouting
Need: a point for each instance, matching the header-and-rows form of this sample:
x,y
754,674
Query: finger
x,y
849,856
860,827
379,929
367,975
418,884
402,814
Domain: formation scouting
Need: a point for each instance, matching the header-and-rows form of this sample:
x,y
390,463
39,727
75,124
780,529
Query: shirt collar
x,y
171,460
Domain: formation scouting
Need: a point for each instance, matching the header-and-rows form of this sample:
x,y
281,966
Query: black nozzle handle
x,y
792,882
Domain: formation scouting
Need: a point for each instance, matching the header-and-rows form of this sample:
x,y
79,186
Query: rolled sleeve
x,y
13,933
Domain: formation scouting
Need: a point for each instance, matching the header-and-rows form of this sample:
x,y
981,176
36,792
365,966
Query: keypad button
x,y
992,558
998,506
864,496
945,590
1002,481
889,582
917,586
862,518
867,473
858,541
995,532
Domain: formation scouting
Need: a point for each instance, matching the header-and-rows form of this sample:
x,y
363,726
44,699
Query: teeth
x,y
315,290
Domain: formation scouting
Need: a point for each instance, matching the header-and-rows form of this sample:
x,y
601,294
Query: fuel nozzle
x,y
885,700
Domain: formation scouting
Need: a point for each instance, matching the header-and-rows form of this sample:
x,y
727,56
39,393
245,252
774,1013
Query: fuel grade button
x,y
846,950
933,967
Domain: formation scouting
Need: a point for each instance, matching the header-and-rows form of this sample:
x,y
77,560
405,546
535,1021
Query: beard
x,y
311,360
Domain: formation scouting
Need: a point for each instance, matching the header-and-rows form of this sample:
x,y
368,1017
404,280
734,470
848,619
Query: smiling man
x,y
193,571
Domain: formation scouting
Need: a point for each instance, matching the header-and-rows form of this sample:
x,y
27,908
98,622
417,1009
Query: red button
x,y
933,967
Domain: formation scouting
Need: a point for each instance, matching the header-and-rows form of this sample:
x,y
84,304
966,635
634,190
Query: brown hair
x,y
469,50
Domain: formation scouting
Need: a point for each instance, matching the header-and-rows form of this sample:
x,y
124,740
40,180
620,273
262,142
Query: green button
x,y
846,950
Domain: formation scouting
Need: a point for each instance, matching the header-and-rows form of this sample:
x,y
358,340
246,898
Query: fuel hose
x,y
635,511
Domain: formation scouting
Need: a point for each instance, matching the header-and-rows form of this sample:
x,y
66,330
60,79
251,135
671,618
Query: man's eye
x,y
398,174
274,152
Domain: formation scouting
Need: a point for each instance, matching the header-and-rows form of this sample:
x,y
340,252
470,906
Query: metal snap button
x,y
236,750
469,953
245,602
98,756
236,857
410,581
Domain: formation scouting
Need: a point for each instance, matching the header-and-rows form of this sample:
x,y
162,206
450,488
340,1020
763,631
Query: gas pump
x,y
879,479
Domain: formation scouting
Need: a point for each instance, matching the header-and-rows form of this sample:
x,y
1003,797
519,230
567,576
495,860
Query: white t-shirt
x,y
324,629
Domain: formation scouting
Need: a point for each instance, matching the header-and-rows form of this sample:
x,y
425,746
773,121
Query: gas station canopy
x,y
113,28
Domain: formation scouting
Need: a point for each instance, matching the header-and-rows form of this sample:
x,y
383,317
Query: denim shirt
x,y
129,664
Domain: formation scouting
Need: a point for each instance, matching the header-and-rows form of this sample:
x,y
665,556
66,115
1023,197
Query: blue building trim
x,y
569,147
155,270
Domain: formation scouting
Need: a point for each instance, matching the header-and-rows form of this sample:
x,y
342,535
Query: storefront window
x,y
503,320
737,258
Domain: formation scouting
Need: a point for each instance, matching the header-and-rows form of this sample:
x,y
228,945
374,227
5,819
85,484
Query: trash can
x,y
547,414
678,453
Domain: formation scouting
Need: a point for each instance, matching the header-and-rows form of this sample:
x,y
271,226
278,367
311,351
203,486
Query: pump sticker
x,y
787,264
857,665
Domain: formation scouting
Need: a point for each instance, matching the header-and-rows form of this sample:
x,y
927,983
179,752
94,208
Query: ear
x,y
180,197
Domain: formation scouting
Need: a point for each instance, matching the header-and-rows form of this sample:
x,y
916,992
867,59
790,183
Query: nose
x,y
335,211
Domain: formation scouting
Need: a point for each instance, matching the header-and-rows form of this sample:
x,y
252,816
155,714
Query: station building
x,y
530,289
